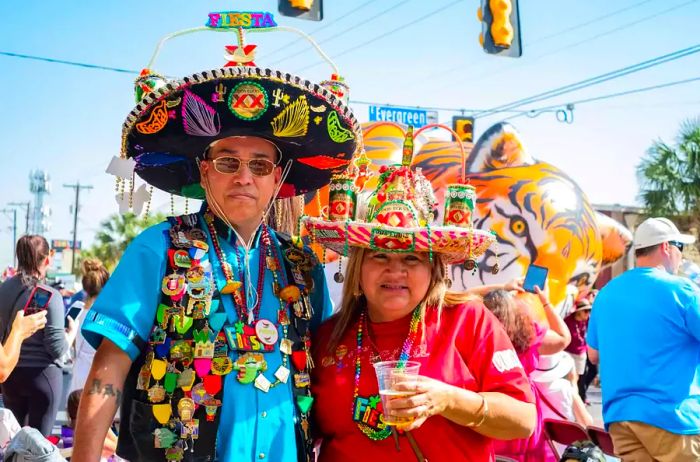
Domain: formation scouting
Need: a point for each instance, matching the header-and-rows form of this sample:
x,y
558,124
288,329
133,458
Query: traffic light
x,y
302,9
500,27
464,127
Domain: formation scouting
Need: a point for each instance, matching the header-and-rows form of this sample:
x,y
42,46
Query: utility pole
x,y
26,206
76,207
14,232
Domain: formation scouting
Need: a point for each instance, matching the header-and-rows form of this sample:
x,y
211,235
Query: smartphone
x,y
536,276
38,300
73,312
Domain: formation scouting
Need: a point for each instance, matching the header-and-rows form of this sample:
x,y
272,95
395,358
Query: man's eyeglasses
x,y
676,244
230,165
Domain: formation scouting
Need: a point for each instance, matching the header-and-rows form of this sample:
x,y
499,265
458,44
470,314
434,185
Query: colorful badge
x,y
266,331
186,379
162,412
185,409
221,365
164,438
249,365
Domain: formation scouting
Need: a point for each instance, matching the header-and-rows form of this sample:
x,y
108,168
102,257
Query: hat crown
x,y
654,231
404,198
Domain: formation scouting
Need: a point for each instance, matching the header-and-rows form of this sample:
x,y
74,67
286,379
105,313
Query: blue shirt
x,y
646,326
253,425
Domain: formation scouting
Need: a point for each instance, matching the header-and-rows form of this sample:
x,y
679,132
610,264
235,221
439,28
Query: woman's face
x,y
394,284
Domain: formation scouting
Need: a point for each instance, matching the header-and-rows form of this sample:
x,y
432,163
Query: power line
x,y
536,112
593,80
345,31
589,22
427,108
70,63
531,60
476,112
325,26
381,36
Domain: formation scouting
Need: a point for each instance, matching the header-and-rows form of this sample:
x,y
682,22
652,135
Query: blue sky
x,y
68,119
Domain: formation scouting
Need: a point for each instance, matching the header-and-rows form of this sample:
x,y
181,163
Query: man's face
x,y
675,257
243,196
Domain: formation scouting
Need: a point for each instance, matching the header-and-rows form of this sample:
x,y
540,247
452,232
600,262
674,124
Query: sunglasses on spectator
x,y
678,245
230,165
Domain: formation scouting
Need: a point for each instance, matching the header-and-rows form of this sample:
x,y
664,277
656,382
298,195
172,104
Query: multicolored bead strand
x,y
405,355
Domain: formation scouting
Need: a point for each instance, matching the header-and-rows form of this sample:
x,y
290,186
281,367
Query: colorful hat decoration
x,y
399,215
175,122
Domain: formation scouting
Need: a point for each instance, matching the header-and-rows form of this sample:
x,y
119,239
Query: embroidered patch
x,y
506,360
323,162
156,120
279,95
336,131
248,101
219,95
198,117
293,120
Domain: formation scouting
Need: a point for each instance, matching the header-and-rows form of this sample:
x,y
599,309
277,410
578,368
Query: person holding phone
x,y
33,390
95,276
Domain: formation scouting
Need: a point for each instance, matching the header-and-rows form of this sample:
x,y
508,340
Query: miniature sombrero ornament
x,y
399,215
175,121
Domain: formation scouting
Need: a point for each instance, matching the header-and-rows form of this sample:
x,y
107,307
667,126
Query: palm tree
x,y
669,176
115,234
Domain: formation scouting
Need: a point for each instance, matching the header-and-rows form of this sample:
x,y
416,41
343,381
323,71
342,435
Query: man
x,y
203,330
644,332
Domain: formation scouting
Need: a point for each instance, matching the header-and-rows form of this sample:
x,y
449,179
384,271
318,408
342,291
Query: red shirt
x,y
470,350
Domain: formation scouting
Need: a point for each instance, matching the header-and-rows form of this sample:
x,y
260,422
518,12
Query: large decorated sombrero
x,y
398,216
175,121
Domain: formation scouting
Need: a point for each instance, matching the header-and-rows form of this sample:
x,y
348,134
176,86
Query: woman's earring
x,y
358,293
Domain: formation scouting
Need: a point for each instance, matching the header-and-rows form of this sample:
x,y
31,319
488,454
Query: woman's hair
x,y
72,405
515,320
354,301
95,276
32,250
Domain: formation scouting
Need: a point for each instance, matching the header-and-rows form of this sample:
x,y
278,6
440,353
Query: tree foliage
x,y
669,176
115,234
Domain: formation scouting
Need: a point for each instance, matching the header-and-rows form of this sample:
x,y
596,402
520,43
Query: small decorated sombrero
x,y
399,215
175,122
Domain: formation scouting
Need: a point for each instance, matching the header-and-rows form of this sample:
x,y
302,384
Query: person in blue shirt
x,y
644,332
203,332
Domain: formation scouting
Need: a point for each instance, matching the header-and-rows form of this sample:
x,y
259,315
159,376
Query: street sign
x,y
61,244
403,115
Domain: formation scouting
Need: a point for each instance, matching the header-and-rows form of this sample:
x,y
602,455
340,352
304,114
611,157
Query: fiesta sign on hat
x,y
654,231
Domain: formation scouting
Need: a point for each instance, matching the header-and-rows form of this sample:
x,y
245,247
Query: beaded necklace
x,y
273,262
371,433
240,298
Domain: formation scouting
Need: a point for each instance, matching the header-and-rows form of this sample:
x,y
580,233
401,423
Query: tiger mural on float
x,y
538,213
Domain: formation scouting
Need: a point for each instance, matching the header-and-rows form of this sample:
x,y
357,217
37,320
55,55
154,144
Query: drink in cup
x,y
390,373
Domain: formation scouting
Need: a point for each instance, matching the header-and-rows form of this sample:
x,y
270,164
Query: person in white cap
x,y
644,332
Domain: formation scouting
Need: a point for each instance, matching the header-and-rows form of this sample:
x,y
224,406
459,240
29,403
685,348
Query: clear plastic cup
x,y
390,373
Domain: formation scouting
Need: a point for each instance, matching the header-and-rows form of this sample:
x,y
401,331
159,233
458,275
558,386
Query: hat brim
x,y
173,126
560,370
685,239
455,244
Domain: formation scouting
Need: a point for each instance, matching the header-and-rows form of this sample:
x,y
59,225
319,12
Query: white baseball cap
x,y
653,231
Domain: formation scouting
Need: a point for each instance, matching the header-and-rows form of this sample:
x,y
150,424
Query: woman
x,y
530,340
471,387
95,276
33,390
